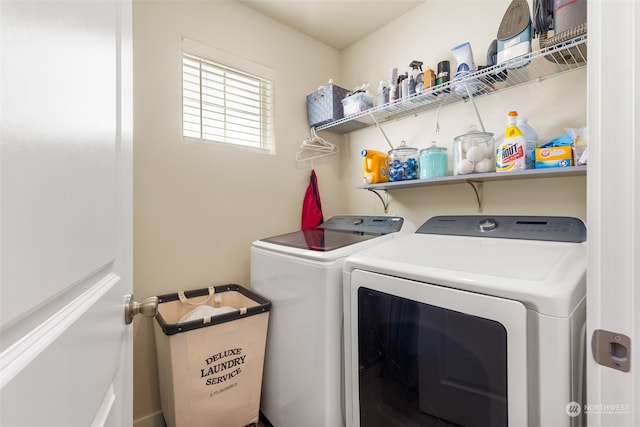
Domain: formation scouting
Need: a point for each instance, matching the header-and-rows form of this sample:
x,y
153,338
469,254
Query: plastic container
x,y
357,103
473,152
530,142
403,163
429,79
466,65
433,161
510,152
210,345
375,167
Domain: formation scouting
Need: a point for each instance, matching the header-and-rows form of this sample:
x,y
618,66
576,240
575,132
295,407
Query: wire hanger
x,y
315,147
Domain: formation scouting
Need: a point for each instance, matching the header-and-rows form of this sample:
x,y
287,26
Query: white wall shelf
x,y
475,180
481,177
550,61
535,66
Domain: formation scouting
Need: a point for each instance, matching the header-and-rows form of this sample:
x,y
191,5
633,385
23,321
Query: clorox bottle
x,y
530,141
375,167
510,152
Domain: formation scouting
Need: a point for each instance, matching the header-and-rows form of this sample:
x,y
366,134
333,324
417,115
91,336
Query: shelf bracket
x,y
478,189
385,203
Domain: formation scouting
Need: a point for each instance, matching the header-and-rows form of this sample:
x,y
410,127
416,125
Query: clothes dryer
x,y
301,274
472,321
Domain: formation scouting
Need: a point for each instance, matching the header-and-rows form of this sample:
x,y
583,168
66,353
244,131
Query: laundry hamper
x,y
210,345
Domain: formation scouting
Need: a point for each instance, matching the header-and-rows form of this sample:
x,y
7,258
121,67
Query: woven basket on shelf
x,y
572,55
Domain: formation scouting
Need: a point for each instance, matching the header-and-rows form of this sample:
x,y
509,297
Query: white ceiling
x,y
337,23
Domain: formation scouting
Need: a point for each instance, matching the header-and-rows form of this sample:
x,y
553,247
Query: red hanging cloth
x,y
311,205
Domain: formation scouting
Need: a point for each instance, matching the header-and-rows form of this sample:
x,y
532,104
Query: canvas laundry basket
x,y
210,345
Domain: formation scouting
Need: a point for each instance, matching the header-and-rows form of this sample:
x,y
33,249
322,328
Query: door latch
x,y
611,349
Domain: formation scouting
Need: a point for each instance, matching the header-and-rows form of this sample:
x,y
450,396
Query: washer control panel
x,y
549,228
364,224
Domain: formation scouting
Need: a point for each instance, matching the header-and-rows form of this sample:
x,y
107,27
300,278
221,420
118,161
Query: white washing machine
x,y
470,321
301,274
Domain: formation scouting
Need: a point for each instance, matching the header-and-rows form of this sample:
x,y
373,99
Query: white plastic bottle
x,y
530,141
393,85
383,94
510,154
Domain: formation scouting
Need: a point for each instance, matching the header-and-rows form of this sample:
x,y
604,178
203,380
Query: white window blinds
x,y
223,103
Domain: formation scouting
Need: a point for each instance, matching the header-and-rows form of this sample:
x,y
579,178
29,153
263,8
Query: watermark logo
x,y
573,409
607,408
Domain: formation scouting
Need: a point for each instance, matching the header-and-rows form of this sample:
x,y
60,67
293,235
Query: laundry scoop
x,y
514,33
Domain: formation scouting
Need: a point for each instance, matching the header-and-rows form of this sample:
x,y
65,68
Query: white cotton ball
x,y
465,166
484,165
467,144
488,152
475,154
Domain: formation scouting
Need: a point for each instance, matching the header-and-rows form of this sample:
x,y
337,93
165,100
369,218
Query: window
x,y
227,100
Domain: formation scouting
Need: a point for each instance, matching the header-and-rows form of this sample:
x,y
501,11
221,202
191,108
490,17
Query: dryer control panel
x,y
364,224
548,228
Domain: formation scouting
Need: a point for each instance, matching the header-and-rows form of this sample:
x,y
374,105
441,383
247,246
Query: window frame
x,y
225,62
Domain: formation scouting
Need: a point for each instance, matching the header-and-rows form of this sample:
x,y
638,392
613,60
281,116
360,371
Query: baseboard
x,y
151,420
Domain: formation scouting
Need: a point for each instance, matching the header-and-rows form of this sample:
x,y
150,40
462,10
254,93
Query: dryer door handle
x,y
611,349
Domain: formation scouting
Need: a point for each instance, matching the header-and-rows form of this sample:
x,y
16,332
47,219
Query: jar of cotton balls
x,y
473,152
403,163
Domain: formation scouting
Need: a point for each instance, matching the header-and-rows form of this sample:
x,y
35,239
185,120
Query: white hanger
x,y
315,147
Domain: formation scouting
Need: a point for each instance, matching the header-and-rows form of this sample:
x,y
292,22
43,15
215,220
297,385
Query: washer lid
x,y
319,239
338,232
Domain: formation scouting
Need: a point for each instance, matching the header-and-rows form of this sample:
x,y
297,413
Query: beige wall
x,y
198,208
427,34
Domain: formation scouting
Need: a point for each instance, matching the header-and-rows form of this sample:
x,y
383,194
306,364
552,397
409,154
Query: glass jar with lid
x,y
403,163
473,152
433,161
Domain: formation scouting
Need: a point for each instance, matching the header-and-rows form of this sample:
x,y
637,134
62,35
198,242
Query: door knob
x,y
148,308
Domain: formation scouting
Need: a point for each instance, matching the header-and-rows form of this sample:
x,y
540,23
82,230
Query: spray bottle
x,y
510,153
418,78
403,82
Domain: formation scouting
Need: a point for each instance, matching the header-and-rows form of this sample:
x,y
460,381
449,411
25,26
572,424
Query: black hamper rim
x,y
264,305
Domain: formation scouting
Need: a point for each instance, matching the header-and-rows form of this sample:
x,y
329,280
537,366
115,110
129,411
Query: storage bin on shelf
x,y
210,346
325,105
357,103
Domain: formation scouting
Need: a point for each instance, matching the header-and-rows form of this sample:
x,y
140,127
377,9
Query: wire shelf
x,y
551,61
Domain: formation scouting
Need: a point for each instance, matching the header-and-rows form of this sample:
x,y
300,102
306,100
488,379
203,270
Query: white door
x,y
613,209
66,213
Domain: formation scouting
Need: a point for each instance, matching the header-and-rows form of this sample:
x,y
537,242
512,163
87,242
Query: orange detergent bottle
x,y
375,167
